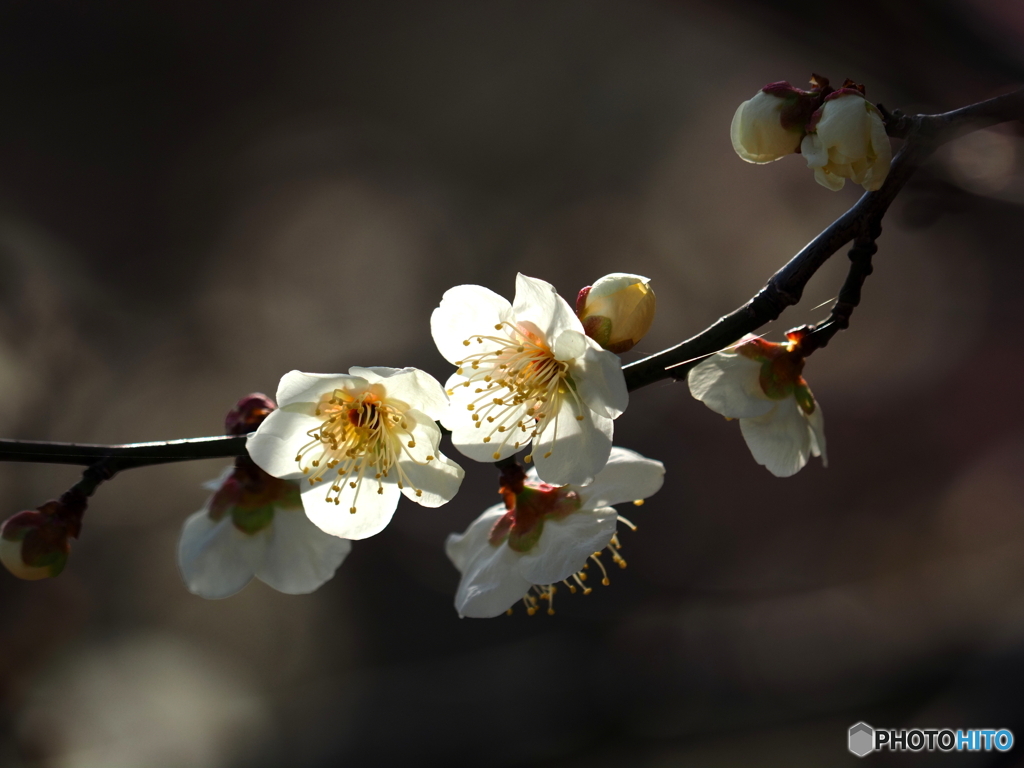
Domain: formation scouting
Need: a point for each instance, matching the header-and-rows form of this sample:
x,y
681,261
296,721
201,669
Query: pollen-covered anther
x,y
575,582
519,383
359,433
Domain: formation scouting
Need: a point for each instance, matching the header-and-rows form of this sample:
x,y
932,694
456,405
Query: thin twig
x,y
819,335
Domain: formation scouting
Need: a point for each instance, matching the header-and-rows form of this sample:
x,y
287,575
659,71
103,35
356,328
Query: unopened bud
x,y
248,414
617,310
248,493
35,544
772,123
847,140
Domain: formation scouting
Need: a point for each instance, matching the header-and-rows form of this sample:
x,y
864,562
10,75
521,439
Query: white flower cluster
x,y
344,448
530,376
330,463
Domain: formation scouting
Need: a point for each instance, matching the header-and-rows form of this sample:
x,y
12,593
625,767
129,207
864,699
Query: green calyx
x,y
781,368
804,398
251,497
523,524
252,519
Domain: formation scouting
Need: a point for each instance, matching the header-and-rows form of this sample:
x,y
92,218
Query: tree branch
x,y
124,456
923,134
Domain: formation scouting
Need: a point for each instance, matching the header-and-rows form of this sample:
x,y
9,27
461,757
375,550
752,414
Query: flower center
x,y
520,385
361,438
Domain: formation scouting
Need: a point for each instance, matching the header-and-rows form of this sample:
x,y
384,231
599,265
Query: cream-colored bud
x,y
848,141
618,311
10,556
758,133
34,543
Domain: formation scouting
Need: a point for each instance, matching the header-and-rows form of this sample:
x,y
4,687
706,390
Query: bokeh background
x,y
196,198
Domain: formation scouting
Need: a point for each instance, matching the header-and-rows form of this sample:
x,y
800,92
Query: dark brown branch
x,y
923,133
124,456
819,335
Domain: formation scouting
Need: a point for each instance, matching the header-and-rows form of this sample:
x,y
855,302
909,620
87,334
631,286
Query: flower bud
x,y
247,493
35,544
248,414
771,124
847,140
617,310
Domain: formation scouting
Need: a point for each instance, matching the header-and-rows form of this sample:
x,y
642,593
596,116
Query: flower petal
x,y
578,448
490,583
373,510
569,344
538,303
300,557
278,440
728,383
465,310
216,559
565,545
814,151
627,476
299,387
462,547
882,150
599,380
816,421
469,438
829,180
439,479
410,386
780,440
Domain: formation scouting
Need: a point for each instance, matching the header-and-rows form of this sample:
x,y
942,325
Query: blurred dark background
x,y
196,198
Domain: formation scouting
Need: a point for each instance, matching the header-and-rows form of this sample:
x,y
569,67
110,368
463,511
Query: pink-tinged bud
x,y
617,310
35,544
249,494
847,140
772,123
248,414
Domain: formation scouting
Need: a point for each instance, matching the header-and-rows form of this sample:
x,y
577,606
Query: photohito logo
x,y
863,739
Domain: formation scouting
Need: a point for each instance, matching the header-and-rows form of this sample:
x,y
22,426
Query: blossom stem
x,y
923,134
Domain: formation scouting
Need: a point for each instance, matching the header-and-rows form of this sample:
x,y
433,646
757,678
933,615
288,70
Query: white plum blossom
x,y
527,372
847,140
254,525
358,442
543,535
760,383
